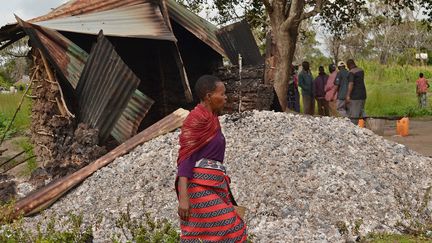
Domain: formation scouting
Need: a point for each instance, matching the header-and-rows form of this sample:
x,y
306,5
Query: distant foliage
x,y
391,89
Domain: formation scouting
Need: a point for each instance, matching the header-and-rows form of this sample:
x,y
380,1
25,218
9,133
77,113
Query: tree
x,y
381,36
14,61
307,44
285,17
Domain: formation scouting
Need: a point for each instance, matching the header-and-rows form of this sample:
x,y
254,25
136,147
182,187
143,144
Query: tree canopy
x,y
284,17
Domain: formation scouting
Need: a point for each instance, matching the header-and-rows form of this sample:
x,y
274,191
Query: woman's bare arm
x,y
184,204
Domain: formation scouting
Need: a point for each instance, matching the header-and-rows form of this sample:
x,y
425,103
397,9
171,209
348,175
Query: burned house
x,y
116,67
104,70
120,66
163,46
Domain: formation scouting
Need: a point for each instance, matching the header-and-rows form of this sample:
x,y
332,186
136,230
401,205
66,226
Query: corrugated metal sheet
x,y
201,28
198,26
105,88
237,39
71,59
68,57
128,123
143,21
10,33
78,7
35,37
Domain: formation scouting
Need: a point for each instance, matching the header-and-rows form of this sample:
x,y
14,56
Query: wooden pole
x,y
13,165
3,163
47,195
51,79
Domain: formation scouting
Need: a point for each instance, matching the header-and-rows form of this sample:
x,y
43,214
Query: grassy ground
x,y
384,238
8,105
391,89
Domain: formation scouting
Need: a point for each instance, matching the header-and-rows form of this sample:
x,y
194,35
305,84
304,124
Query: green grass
x,y
4,124
16,232
8,105
31,164
384,238
391,89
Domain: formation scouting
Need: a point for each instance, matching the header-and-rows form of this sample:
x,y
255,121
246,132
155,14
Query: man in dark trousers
x,y
341,82
356,94
319,92
305,81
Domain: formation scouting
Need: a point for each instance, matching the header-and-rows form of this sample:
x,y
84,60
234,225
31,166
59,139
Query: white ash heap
x,y
302,179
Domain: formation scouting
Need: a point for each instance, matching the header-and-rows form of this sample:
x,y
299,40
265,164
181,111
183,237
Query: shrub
x,y
16,232
146,229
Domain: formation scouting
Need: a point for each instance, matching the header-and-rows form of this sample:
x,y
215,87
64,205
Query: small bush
x,y
146,230
4,123
16,232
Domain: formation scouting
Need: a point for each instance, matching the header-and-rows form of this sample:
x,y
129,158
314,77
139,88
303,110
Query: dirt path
x,y
13,149
420,135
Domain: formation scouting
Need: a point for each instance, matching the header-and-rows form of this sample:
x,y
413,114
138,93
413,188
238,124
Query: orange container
x,y
402,127
361,123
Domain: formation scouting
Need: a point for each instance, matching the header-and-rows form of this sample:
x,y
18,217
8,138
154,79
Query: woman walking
x,y
206,206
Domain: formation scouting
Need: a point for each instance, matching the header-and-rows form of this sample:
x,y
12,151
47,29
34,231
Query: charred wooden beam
x,y
44,197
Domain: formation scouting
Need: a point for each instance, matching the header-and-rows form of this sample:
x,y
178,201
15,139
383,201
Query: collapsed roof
x,y
119,61
170,41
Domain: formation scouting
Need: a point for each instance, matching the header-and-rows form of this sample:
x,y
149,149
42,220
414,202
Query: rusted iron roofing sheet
x,y
78,7
11,32
105,88
198,26
69,58
237,39
201,28
128,123
142,20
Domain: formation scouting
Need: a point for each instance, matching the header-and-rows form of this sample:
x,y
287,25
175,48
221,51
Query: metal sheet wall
x,y
105,87
238,39
128,123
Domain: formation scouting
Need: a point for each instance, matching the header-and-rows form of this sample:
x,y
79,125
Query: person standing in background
x,y
293,93
331,91
355,98
305,80
422,86
319,92
341,83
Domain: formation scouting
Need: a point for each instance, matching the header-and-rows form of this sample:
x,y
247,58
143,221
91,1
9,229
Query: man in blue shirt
x,y
305,80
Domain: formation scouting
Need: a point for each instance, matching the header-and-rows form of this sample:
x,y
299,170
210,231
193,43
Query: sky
x,y
25,9
28,9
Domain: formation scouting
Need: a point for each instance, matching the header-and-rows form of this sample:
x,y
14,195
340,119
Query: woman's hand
x,y
184,208
184,203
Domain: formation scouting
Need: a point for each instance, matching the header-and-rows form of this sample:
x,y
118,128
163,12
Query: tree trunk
x,y
286,43
336,43
383,57
285,19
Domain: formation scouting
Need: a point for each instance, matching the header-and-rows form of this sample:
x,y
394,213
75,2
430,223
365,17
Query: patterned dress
x,y
202,149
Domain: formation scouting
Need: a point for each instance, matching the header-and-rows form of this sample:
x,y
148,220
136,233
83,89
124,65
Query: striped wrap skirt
x,y
212,216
